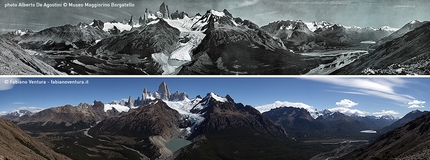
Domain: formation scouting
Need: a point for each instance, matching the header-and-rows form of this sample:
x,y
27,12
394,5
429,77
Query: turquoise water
x,y
177,143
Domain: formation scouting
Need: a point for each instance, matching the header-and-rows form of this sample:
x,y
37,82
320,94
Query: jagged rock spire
x,y
164,10
163,91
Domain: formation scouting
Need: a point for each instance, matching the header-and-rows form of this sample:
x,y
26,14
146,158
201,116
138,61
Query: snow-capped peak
x,y
118,107
216,97
414,21
217,13
388,28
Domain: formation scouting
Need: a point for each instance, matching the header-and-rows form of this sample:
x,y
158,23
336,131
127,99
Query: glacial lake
x,y
177,143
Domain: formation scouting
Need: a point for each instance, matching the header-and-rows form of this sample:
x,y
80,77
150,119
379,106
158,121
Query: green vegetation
x,y
33,148
246,143
77,146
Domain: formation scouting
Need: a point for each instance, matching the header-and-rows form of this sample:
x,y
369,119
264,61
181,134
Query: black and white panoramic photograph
x,y
316,118
215,37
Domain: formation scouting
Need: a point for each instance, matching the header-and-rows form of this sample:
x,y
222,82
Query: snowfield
x,y
118,107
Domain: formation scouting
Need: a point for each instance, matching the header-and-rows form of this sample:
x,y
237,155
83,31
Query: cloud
x,y
416,104
31,109
18,103
248,3
385,112
348,111
404,6
2,113
346,103
380,87
267,13
244,3
368,131
5,83
277,104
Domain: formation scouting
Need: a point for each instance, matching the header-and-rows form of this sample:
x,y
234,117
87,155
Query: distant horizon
x,y
369,13
366,96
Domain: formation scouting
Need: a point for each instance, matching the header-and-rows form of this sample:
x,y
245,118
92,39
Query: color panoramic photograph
x,y
214,118
215,37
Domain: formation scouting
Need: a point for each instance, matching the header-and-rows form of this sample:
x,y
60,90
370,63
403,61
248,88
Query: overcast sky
x,y
363,13
367,96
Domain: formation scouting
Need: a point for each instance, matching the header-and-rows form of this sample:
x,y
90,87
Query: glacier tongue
x,y
172,63
184,107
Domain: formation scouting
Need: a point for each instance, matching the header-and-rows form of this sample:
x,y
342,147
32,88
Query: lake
x,y
177,143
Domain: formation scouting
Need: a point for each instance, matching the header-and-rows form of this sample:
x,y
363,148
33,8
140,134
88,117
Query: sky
x,y
351,95
362,13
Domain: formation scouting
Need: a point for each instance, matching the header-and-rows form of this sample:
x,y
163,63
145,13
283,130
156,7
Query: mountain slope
x,y
63,119
233,131
297,122
402,31
146,129
14,60
235,46
408,54
64,37
411,141
16,144
158,37
405,119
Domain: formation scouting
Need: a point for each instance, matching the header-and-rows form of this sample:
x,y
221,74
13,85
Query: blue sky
x,y
363,13
370,96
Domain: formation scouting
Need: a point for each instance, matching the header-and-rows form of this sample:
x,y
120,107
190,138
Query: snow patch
x,y
218,98
368,131
153,22
118,107
217,13
108,26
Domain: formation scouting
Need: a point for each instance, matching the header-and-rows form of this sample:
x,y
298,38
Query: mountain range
x,y
216,43
213,126
409,141
16,144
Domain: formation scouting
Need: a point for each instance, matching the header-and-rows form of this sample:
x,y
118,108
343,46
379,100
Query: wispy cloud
x,y
268,107
404,6
245,3
18,103
385,112
380,87
267,13
5,83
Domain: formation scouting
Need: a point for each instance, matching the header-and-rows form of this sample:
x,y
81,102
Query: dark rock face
x,y
405,119
178,96
232,46
98,24
14,60
130,102
164,10
292,33
402,31
410,141
151,39
16,144
221,115
341,124
149,120
408,54
177,15
146,128
163,91
297,122
140,43
63,119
